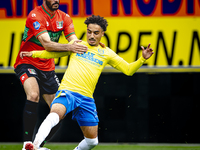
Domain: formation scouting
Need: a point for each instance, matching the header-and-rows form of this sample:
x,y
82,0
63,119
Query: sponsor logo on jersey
x,y
33,15
36,25
90,56
47,23
59,24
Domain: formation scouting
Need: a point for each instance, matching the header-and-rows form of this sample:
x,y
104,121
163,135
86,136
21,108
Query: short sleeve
x,y
36,24
68,26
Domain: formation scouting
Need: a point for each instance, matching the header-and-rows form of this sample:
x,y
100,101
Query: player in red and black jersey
x,y
43,28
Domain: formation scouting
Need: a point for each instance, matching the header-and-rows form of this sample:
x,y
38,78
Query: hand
x,y
25,54
77,48
148,52
102,45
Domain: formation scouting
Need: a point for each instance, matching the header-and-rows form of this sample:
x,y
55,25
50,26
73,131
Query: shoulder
x,y
63,14
109,50
36,14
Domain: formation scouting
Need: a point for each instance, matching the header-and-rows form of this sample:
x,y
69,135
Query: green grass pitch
x,y
58,146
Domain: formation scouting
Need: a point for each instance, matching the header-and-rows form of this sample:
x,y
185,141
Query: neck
x,y
47,8
93,45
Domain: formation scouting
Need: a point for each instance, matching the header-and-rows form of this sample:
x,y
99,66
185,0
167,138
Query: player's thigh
x,y
48,98
31,88
90,131
60,109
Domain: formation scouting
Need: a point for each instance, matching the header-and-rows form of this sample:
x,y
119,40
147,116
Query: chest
x,y
93,57
54,26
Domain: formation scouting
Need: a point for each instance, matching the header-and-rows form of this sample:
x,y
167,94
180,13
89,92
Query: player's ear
x,y
102,33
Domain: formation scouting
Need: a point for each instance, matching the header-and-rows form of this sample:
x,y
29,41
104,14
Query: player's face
x,y
94,34
52,4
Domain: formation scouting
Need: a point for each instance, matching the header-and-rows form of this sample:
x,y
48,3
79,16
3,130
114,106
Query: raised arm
x,y
130,68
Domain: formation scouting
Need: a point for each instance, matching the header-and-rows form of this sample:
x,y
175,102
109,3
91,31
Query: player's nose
x,y
92,35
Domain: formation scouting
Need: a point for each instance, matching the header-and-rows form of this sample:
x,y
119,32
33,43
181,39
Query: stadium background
x,y
160,103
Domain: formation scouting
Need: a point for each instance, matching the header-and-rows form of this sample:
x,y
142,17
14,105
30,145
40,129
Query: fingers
x,y
102,45
81,49
148,45
21,55
147,52
78,48
77,41
25,54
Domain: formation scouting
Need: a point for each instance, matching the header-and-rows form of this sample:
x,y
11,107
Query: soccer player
x,y
79,81
44,26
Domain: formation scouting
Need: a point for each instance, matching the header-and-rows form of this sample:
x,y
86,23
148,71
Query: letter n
x,y
195,37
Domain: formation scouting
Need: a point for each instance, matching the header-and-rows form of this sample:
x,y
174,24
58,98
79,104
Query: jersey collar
x,y
47,12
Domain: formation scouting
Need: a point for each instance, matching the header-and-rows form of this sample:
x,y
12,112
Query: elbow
x,y
47,46
129,73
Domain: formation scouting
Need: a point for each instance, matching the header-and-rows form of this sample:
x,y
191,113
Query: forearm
x,y
49,45
130,68
56,47
47,55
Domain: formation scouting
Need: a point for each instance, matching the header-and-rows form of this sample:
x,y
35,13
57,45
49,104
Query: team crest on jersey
x,y
31,71
101,52
36,25
59,24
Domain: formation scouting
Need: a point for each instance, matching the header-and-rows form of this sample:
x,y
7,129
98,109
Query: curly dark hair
x,y
97,20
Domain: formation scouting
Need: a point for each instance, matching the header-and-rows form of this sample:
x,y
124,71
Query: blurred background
x,y
159,103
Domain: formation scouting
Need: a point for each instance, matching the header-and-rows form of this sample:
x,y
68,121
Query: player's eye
x,y
89,31
96,33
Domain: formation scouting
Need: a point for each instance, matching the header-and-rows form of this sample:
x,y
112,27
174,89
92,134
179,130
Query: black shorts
x,y
47,80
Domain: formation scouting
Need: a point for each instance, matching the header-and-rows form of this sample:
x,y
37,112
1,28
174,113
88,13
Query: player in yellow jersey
x,y
79,81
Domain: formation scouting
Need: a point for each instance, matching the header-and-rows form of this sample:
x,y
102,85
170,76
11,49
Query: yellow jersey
x,y
84,70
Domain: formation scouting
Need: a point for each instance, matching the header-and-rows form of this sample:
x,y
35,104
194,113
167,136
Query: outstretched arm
x,y
54,46
43,54
130,68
